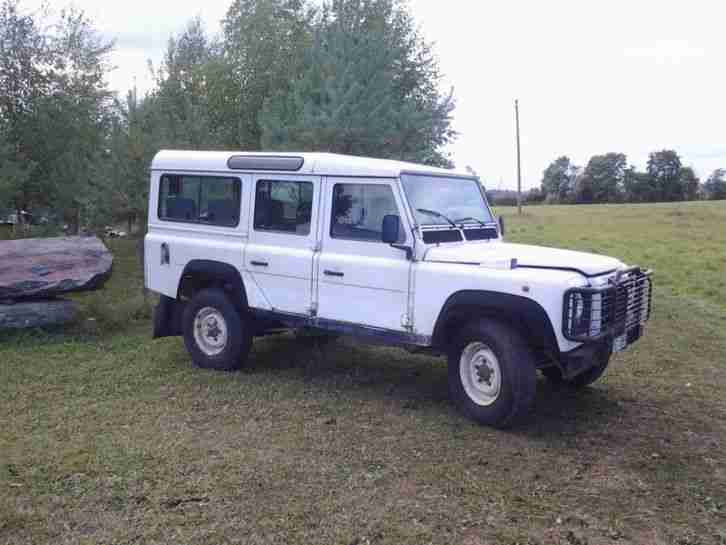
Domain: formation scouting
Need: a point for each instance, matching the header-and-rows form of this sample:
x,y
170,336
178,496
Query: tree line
x,y
347,76
609,179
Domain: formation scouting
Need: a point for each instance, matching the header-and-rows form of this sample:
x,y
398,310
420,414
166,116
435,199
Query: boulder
x,y
36,313
44,267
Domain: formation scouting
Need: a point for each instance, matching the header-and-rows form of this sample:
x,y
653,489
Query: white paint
x,y
492,255
374,287
286,280
328,164
372,284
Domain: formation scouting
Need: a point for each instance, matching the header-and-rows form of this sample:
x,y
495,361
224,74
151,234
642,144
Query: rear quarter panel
x,y
190,241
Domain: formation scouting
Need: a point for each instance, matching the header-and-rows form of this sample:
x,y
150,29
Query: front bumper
x,y
615,312
584,357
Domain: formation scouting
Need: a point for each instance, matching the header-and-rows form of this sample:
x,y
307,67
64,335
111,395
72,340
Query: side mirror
x,y
391,228
501,226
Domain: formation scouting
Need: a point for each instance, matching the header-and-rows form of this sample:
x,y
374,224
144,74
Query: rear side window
x,y
283,206
359,209
200,199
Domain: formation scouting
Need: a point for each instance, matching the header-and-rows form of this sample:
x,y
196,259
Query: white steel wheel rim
x,y
480,373
210,331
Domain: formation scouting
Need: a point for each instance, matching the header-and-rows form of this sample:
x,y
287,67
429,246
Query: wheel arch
x,y
525,315
200,274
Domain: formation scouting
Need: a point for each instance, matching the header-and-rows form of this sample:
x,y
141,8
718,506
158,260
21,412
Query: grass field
x,y
108,437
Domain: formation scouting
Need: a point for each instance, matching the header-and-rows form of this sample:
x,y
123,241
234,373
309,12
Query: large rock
x,y
43,267
36,313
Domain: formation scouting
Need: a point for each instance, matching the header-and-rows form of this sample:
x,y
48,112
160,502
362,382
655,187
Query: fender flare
x,y
225,275
200,273
524,313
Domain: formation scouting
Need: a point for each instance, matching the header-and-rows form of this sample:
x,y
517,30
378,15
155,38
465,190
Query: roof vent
x,y
265,162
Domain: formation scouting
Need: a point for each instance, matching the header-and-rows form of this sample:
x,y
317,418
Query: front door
x,y
361,280
283,230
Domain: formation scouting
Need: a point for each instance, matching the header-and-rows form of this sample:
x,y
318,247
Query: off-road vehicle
x,y
247,244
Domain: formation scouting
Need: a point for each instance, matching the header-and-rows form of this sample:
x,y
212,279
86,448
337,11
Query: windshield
x,y
438,200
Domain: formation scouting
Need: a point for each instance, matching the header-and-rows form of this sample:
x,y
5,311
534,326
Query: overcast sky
x,y
628,76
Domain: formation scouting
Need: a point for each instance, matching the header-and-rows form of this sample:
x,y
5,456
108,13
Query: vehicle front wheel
x,y
216,335
492,373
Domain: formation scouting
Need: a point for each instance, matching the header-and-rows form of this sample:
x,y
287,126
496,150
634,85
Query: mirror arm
x,y
405,248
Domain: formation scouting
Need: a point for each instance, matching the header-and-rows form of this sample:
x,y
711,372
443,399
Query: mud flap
x,y
167,318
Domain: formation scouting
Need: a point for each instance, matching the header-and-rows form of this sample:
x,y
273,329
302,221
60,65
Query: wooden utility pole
x,y
519,161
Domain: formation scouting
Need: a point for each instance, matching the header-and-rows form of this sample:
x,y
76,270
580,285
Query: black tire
x,y
518,374
554,375
238,340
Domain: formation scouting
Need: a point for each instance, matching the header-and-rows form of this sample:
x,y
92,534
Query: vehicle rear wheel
x,y
492,374
554,375
216,335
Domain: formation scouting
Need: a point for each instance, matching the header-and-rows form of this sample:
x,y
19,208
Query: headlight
x,y
584,317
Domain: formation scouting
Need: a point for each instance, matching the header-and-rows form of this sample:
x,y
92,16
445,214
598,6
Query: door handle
x,y
165,254
333,273
259,263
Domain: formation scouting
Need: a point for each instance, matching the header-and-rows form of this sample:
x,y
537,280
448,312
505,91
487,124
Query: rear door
x,y
282,242
361,280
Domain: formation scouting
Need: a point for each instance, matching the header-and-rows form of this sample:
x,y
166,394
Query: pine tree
x,y
369,87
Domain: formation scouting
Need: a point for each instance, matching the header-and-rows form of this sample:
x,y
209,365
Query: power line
x,y
519,161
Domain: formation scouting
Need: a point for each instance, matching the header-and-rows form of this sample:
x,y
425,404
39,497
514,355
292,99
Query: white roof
x,y
326,164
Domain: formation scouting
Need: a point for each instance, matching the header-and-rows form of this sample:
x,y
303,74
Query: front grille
x,y
591,314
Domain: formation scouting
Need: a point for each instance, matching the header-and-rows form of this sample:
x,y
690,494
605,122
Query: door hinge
x,y
406,321
313,310
317,246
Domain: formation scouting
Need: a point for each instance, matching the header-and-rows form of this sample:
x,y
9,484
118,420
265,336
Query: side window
x,y
359,209
283,206
200,199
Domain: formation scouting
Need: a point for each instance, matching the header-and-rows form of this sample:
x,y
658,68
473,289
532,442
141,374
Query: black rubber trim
x,y
520,311
216,272
238,210
476,263
568,269
376,335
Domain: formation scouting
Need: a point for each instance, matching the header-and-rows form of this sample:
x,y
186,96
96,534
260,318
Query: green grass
x,y
108,437
6,231
684,243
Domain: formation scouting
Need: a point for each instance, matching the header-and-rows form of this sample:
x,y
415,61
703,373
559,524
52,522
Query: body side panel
x,y
436,282
363,282
186,242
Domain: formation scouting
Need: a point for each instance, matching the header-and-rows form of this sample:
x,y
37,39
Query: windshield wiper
x,y
469,218
436,214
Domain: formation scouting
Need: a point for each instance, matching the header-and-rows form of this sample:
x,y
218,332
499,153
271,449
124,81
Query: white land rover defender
x,y
246,244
